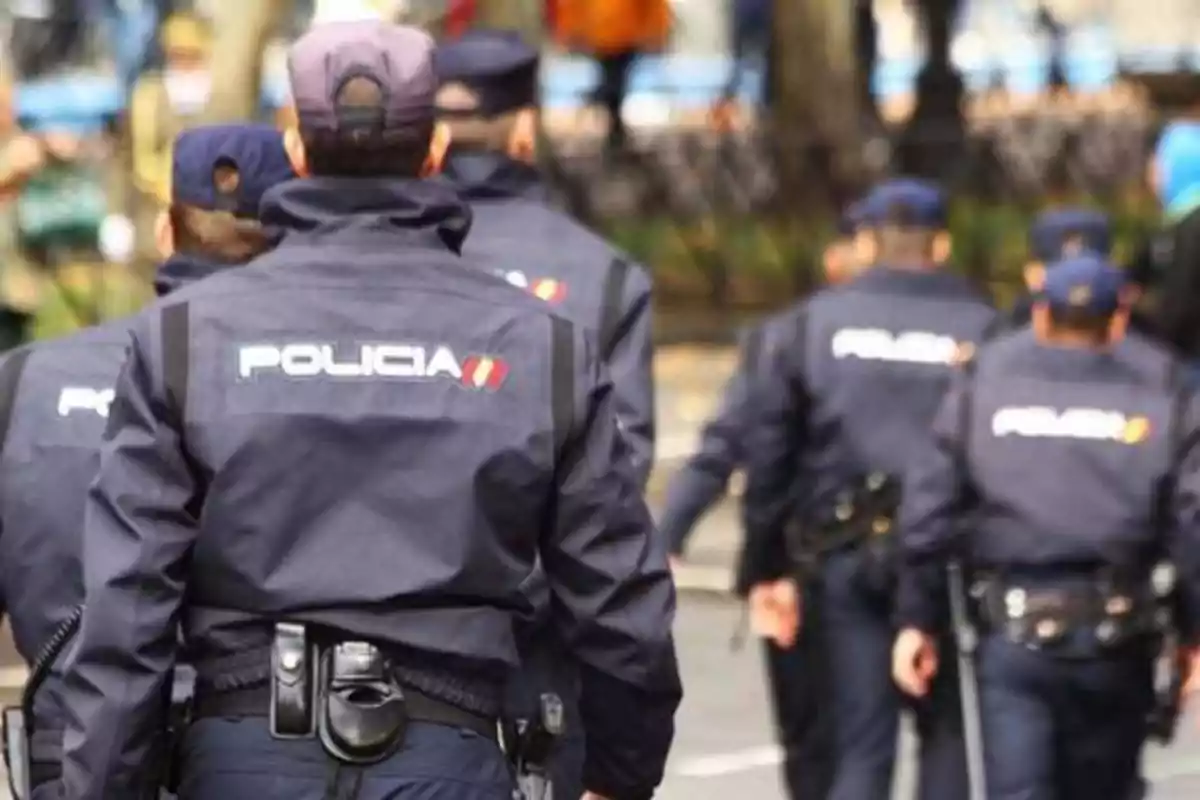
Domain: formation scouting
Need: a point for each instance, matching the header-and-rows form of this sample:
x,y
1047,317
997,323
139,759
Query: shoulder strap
x,y
176,354
10,380
966,412
562,382
610,309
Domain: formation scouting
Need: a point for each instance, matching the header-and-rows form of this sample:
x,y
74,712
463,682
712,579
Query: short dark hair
x,y
1085,321
904,245
398,152
217,235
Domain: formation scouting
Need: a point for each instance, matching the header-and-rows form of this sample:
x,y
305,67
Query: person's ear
x,y
294,146
439,144
865,247
1119,325
522,143
1041,320
1035,276
834,262
164,235
943,246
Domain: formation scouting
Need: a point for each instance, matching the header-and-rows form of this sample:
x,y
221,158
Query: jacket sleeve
x,y
1183,532
774,444
138,536
629,355
930,515
614,598
703,478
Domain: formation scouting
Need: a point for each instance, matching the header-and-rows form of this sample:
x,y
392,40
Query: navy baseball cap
x,y
255,151
397,58
486,73
1067,232
1086,282
906,202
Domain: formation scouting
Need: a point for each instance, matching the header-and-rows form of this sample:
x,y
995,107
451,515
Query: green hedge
x,y
746,263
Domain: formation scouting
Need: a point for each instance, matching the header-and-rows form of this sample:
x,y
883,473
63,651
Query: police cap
x,y
486,73
396,58
1086,282
906,203
1066,232
252,155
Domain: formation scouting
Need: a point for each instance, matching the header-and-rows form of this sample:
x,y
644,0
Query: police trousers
x,y
1056,728
546,666
798,680
237,759
867,705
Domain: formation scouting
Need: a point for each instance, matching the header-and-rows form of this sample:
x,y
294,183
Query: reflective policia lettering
x,y
410,361
1071,423
303,360
84,398
909,347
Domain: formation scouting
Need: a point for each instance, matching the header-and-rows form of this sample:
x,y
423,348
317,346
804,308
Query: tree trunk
x,y
935,134
816,106
245,26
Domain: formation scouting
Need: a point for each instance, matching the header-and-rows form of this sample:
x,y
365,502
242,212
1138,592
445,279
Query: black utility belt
x,y
1042,616
255,701
344,693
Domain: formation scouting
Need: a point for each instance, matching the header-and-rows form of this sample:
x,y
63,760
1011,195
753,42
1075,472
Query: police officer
x,y
1054,235
850,394
55,395
488,100
355,446
1080,474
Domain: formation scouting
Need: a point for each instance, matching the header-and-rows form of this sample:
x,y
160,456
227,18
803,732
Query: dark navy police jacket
x,y
537,248
360,431
57,393
852,389
1067,452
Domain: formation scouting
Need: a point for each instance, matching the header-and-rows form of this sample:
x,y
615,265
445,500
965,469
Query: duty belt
x,y
1042,615
255,701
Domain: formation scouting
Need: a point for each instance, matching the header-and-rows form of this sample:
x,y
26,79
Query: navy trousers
x,y
236,759
1057,728
798,680
867,705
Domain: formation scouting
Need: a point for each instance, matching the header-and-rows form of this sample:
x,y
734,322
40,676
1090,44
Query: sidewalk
x,y
689,380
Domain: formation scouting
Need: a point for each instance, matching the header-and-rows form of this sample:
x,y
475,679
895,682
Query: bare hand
x,y
593,796
914,662
24,155
1191,672
775,611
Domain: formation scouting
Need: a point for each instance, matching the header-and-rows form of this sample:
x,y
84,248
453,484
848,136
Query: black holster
x,y
864,520
362,716
1169,658
530,744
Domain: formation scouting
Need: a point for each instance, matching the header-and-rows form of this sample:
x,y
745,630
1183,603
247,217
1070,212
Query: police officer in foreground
x,y
336,466
846,398
55,395
1054,235
1077,475
488,101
